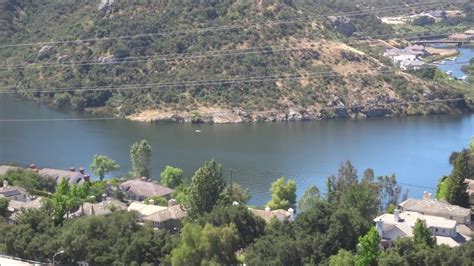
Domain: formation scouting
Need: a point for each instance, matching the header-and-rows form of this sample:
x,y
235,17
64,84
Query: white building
x,y
400,224
411,64
429,206
404,57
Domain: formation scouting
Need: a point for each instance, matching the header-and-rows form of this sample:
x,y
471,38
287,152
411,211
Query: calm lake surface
x,y
416,149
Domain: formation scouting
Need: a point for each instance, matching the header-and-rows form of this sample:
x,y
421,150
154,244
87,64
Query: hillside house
x,y
13,192
16,207
169,218
145,209
428,206
105,207
411,64
139,190
400,224
268,215
72,176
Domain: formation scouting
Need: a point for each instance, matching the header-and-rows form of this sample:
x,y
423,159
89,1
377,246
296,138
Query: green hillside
x,y
337,70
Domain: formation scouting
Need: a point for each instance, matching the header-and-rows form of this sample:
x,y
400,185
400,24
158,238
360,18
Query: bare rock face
x,y
45,51
105,6
294,115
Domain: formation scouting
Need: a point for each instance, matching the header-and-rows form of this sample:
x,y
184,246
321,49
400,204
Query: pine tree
x,y
422,235
456,186
206,188
140,155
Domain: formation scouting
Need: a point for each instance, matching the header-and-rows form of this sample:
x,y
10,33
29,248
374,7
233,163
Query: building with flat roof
x,y
145,209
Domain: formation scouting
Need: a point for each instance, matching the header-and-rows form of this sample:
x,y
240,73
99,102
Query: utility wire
x,y
229,27
190,56
226,81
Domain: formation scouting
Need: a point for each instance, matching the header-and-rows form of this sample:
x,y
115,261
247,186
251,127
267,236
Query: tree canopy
x,y
207,184
101,165
171,177
283,194
140,155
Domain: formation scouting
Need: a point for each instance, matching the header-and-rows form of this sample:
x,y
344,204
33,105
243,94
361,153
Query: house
x,y
461,37
268,214
145,209
415,50
428,206
73,177
16,207
105,207
392,52
13,192
403,57
411,64
5,168
169,218
400,224
140,190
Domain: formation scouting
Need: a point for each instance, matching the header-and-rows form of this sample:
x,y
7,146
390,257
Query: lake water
x,y
465,54
416,149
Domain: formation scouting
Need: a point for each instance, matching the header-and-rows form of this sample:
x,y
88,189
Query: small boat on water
x,y
449,72
442,62
198,131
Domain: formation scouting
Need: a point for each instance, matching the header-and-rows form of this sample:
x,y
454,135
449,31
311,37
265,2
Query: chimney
x,y
292,214
396,215
172,202
5,183
87,178
426,195
72,169
81,170
267,209
379,227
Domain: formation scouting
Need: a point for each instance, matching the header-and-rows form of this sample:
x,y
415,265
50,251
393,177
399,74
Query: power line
x,y
229,27
189,56
226,81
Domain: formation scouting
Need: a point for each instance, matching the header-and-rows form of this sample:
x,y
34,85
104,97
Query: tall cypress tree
x,y
457,187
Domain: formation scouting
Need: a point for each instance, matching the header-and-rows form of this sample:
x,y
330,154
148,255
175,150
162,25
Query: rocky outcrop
x,y
107,59
45,51
229,116
105,6
62,58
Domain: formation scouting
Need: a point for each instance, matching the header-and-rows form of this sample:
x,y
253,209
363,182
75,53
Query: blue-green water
x,y
416,149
